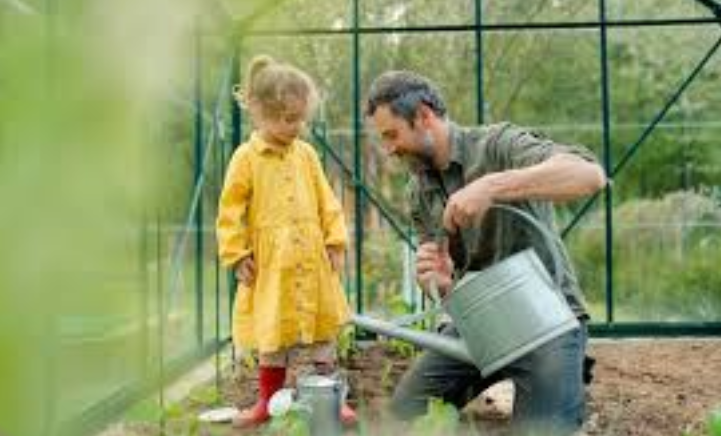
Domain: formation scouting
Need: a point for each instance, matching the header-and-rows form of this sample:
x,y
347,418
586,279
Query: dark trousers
x,y
549,389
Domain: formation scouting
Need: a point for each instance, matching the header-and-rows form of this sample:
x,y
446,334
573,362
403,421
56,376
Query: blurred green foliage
x,y
666,258
83,87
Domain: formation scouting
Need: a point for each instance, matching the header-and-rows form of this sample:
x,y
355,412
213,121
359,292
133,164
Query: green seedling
x,y
206,396
441,419
174,411
292,423
386,380
146,410
346,345
714,423
402,348
397,306
248,361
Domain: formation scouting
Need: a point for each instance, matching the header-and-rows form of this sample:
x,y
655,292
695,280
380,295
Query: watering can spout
x,y
445,345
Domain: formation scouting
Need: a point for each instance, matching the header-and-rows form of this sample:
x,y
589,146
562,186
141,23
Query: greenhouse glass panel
x,y
538,11
381,13
655,9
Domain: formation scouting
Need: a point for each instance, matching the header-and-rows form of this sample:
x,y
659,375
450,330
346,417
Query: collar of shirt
x,y
457,144
263,147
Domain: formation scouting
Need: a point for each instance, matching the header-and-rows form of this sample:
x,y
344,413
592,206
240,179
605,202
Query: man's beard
x,y
424,158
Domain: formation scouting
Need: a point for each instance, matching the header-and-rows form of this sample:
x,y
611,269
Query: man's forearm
x,y
561,178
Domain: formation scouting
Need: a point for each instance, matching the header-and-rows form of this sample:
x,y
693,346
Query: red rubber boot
x,y
270,381
348,416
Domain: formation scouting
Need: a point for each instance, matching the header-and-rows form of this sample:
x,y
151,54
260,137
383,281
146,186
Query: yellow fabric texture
x,y
278,206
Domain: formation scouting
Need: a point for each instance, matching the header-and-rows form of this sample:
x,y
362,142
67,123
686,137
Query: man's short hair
x,y
403,92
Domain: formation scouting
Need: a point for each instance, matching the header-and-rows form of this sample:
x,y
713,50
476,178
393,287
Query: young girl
x,y
282,231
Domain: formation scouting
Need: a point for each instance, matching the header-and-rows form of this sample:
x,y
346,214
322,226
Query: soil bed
x,y
663,387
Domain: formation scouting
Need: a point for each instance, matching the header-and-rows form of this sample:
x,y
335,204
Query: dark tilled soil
x,y
664,387
641,388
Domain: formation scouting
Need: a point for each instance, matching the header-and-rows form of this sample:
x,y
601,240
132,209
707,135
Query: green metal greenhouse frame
x,y
613,165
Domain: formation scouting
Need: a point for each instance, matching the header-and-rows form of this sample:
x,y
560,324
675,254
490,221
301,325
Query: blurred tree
x,y
544,79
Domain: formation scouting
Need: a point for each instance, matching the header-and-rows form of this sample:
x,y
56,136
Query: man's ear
x,y
424,116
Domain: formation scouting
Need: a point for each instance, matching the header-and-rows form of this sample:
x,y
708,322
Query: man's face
x,y
399,139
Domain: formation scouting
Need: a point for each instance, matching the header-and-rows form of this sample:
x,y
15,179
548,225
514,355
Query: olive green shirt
x,y
475,153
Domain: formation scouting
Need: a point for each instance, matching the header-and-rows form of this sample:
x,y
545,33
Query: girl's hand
x,y
336,257
245,270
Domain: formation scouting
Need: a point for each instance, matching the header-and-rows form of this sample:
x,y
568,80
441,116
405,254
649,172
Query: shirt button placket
x,y
299,304
298,301
290,187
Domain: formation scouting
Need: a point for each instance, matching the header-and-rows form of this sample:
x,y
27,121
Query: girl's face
x,y
282,127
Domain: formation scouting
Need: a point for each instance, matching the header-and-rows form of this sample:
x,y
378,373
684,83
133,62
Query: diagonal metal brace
x,y
713,6
631,151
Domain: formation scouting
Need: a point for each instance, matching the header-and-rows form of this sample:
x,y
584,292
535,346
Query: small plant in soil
x,y
714,423
290,424
441,419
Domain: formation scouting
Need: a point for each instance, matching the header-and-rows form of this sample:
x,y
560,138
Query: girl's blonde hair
x,y
271,83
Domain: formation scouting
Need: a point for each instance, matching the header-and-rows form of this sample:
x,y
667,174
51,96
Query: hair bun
x,y
258,64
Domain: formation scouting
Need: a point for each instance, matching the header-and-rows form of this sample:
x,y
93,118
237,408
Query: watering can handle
x,y
552,241
433,291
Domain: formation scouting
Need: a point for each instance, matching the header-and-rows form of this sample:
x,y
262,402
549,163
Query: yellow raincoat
x,y
277,205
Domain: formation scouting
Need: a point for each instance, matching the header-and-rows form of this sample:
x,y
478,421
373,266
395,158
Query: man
x,y
456,175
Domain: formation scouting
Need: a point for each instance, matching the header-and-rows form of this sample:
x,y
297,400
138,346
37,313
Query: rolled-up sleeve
x,y
516,147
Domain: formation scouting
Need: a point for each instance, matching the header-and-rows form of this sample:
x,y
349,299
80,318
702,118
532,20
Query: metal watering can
x,y
502,312
318,398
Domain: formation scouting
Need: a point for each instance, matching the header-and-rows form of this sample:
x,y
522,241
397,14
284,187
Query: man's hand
x,y
434,263
245,270
336,257
467,206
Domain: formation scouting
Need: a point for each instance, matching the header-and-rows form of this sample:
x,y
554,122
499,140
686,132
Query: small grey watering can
x,y
318,398
502,312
